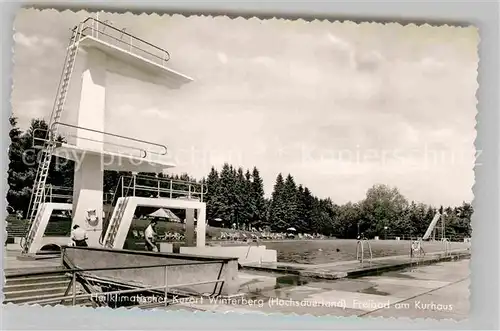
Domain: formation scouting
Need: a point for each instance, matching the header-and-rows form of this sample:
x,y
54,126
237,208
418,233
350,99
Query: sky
x,y
340,106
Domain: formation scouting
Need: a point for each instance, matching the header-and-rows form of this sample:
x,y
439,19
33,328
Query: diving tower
x,y
105,48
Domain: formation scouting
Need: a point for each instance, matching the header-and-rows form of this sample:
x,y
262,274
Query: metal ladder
x,y
115,223
36,223
37,194
360,251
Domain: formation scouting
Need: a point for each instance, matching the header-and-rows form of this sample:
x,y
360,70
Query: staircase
x,y
16,228
28,289
38,191
116,220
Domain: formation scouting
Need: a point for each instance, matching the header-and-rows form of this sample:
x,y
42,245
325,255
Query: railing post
x,y
122,185
50,190
97,26
171,189
80,32
158,186
74,288
166,287
362,251
134,179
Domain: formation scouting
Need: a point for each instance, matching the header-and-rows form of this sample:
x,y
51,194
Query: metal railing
x,y
79,274
143,152
447,246
106,32
360,250
153,187
417,248
54,193
158,187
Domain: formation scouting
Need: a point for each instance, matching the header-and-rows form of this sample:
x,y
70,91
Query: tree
x,y
347,221
290,200
382,208
249,200
321,217
303,220
212,197
308,201
259,202
243,200
464,213
227,194
277,207
18,193
24,162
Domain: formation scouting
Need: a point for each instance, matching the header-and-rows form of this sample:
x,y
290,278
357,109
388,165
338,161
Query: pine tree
x,y
290,201
301,224
257,187
308,208
277,208
212,197
242,197
249,200
227,200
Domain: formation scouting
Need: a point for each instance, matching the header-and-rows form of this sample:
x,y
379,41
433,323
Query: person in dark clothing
x,y
79,236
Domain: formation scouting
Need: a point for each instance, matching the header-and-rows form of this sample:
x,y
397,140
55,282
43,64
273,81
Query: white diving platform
x,y
123,214
43,216
134,55
151,162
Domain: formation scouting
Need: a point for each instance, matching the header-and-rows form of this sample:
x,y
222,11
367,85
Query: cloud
x,y
265,61
340,43
35,41
30,109
222,57
369,61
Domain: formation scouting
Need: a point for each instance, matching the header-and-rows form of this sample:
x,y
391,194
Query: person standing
x,y
149,236
79,236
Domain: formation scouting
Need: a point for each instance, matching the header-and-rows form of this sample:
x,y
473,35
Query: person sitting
x,y
79,236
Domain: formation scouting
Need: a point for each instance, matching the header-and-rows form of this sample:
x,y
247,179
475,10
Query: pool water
x,y
325,251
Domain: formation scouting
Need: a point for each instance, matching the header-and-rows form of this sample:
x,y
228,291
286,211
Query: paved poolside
x,y
437,291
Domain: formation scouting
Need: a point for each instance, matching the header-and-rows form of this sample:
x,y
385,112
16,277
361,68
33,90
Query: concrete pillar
x,y
230,275
201,227
189,234
91,113
88,177
89,182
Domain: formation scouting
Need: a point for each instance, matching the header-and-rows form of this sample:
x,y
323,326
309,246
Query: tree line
x,y
236,197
